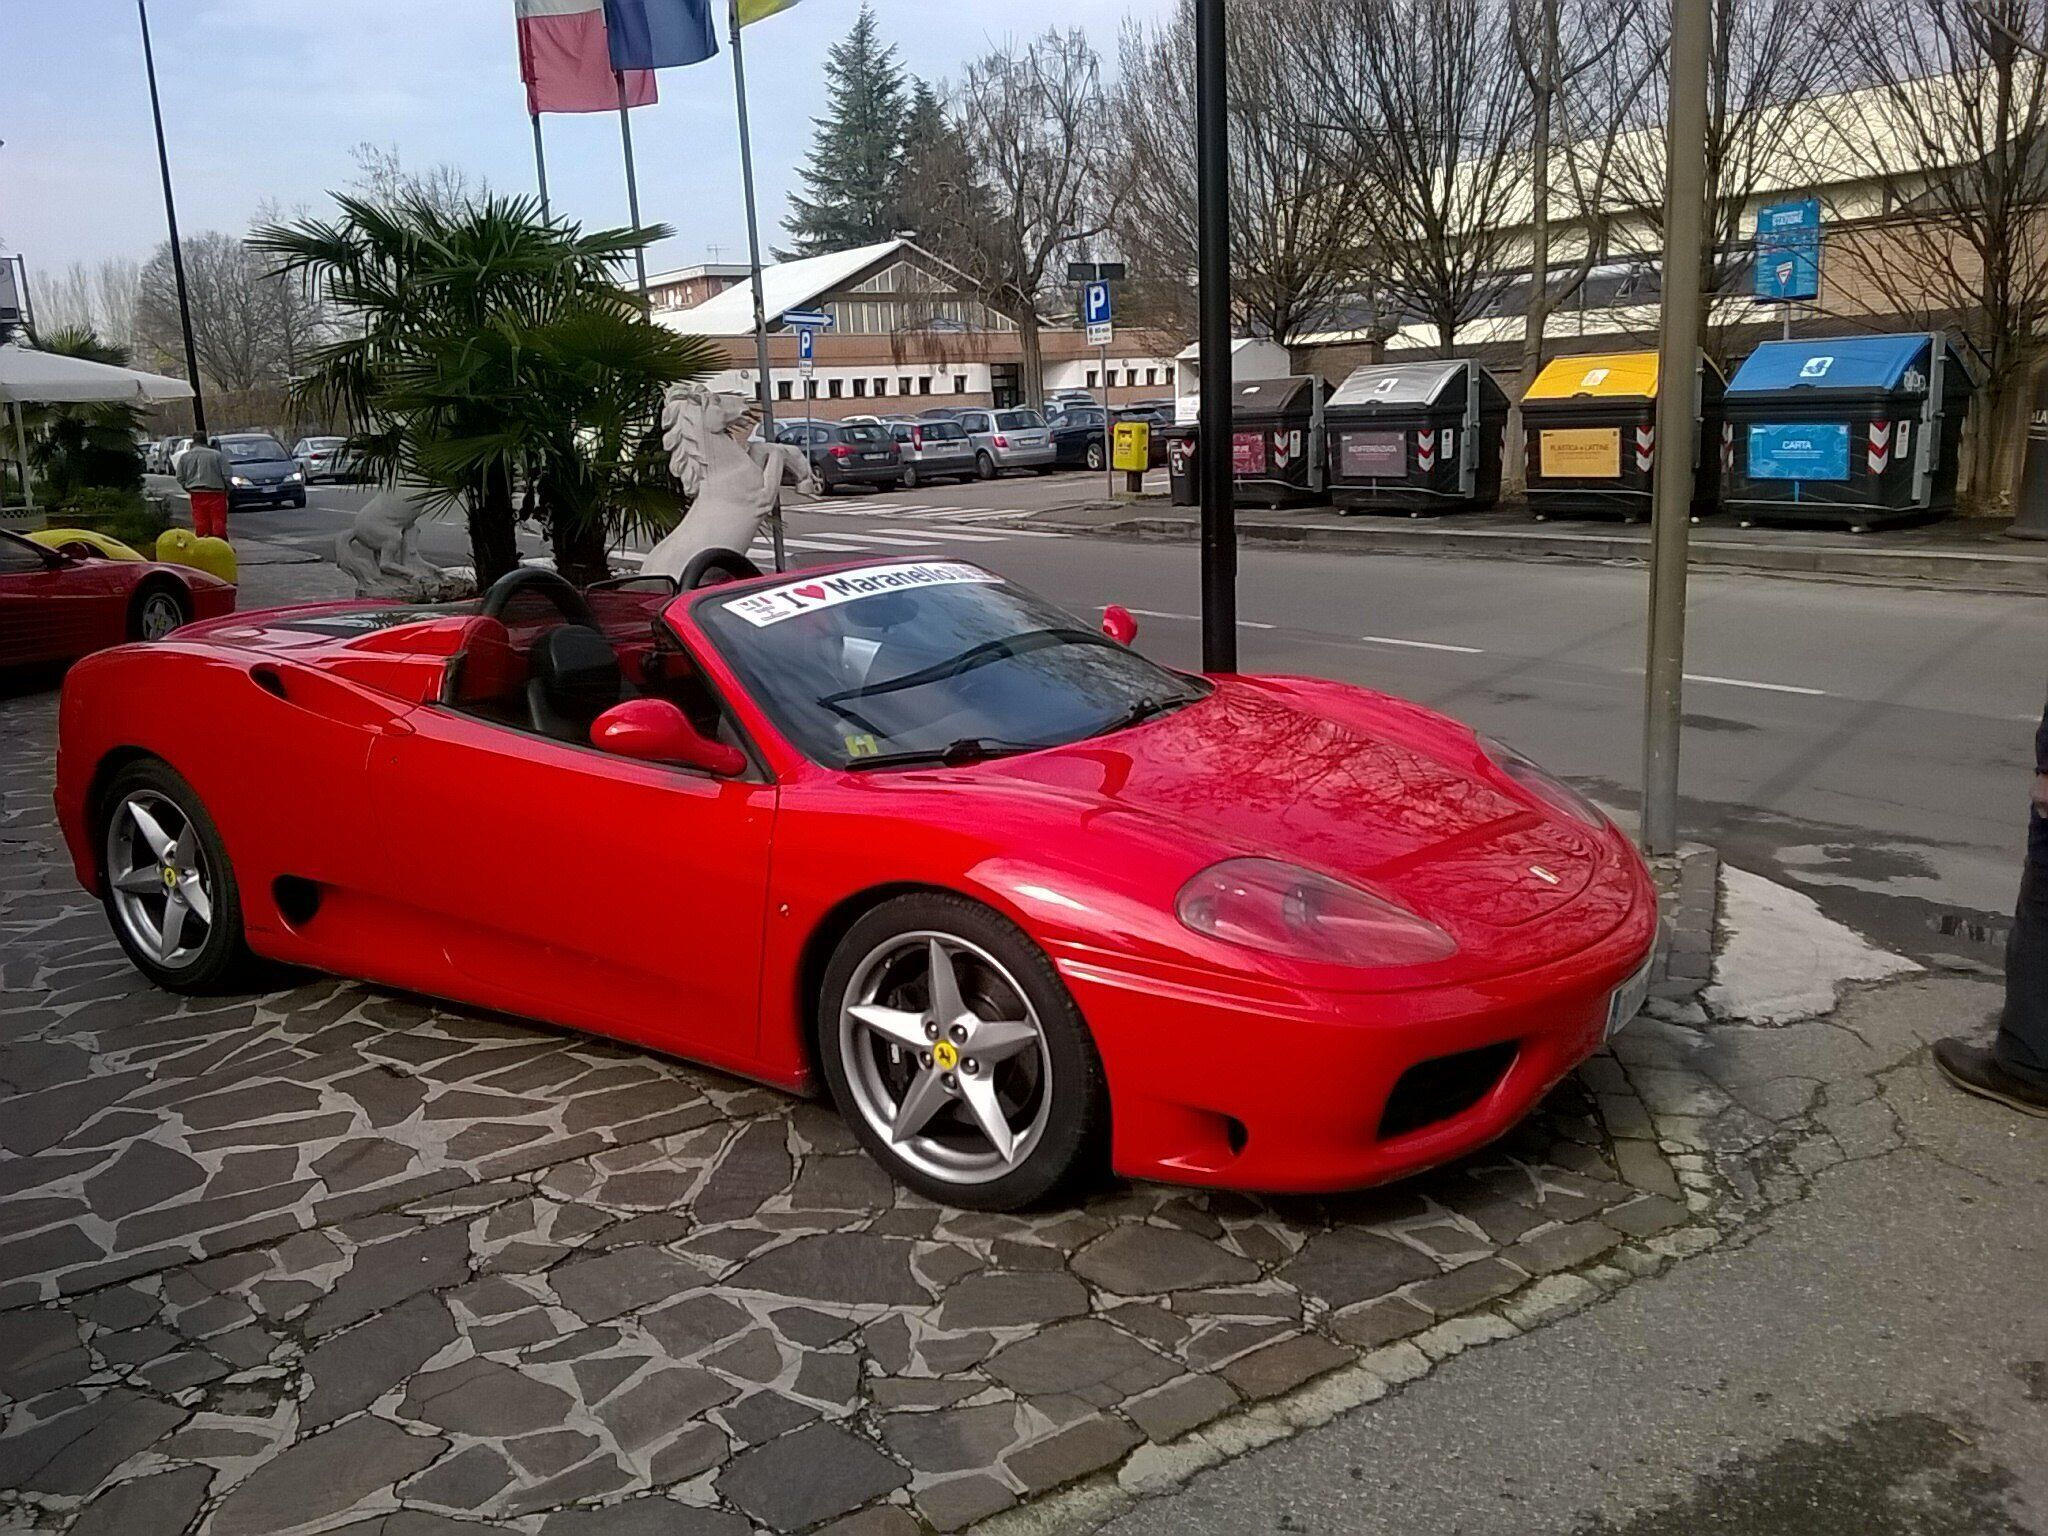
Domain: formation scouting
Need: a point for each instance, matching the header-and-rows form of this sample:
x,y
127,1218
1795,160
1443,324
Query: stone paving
x,y
332,1259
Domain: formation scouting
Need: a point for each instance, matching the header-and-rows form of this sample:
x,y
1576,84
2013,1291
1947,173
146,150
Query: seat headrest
x,y
578,670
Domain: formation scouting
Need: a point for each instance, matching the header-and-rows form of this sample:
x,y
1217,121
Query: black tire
x,y
299,500
910,477
222,961
152,603
984,467
1071,1137
1094,455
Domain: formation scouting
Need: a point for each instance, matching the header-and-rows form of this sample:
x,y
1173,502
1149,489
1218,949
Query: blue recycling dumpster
x,y
1857,431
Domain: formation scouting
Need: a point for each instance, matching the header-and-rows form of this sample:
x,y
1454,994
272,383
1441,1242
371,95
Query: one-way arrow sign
x,y
809,319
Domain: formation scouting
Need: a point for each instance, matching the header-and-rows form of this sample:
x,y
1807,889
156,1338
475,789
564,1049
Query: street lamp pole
x,y
1212,442
1685,181
163,160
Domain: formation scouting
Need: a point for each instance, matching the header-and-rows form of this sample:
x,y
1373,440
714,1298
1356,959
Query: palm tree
x,y
73,447
495,345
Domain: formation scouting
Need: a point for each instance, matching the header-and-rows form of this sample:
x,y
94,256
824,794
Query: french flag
x,y
565,59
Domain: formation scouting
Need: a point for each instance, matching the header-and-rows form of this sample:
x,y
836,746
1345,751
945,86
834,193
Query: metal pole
x,y
1685,182
163,160
1108,430
28,495
632,183
1212,462
540,166
739,83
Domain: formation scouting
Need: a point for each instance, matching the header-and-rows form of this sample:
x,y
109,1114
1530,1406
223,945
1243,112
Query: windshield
x,y
865,434
242,449
930,658
1017,421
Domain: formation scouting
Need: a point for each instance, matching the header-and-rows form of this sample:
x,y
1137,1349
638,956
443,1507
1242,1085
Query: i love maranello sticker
x,y
761,609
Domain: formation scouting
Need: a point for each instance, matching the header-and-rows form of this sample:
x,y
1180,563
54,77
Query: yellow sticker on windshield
x,y
862,745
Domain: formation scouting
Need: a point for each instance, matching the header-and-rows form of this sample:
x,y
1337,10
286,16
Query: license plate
x,y
875,458
1627,1001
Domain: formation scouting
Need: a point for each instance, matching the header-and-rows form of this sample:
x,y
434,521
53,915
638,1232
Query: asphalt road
x,y
1870,744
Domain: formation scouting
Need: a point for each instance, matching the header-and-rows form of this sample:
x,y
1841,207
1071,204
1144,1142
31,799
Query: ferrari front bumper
x,y
1296,1090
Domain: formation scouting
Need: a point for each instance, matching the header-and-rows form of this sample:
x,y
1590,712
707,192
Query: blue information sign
x,y
1806,450
806,340
1095,303
1788,251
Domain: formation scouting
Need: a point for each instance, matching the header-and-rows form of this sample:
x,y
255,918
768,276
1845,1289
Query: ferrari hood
x,y
1408,805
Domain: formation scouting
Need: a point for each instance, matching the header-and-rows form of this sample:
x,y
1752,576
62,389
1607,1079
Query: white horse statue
x,y
732,487
381,549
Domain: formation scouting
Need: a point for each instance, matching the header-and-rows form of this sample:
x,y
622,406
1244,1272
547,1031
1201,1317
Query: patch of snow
x,y
1782,958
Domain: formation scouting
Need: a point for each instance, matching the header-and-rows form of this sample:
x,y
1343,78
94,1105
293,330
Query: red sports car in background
x,y
57,604
1015,894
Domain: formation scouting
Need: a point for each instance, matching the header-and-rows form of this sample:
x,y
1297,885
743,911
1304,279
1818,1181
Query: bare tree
x,y
1583,80
381,177
1951,121
1026,183
99,298
1766,60
1433,90
1295,186
249,326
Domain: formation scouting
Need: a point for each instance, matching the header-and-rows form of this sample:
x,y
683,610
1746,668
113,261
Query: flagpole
x,y
632,182
739,80
163,160
540,165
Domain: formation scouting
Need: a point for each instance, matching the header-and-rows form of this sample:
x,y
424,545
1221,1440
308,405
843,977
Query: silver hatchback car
x,y
1014,438
931,450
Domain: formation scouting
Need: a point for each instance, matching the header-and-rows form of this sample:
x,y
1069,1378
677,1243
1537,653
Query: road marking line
x,y
961,536
893,540
1739,682
1191,618
1423,645
1012,533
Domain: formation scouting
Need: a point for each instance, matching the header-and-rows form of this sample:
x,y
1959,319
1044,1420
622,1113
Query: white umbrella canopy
x,y
41,378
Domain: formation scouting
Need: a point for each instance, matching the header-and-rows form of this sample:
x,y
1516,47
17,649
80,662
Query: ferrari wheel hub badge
x,y
946,1055
170,876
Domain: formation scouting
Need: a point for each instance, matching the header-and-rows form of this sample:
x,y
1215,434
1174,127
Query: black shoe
x,y
1976,1070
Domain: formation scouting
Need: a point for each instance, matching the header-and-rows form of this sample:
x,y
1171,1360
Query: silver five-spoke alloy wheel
x,y
946,1057
162,886
160,615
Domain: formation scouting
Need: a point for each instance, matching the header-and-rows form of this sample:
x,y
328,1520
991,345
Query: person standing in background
x,y
2013,1070
203,472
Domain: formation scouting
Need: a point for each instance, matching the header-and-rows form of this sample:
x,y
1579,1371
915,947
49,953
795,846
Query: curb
x,y
1981,570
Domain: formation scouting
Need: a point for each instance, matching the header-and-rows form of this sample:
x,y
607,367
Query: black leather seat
x,y
573,677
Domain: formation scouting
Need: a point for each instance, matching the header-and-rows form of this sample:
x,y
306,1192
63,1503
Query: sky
x,y
263,99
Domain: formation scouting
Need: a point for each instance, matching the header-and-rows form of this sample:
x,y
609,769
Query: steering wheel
x,y
725,564
570,603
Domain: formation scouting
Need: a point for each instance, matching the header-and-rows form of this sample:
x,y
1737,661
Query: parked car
x,y
845,453
1157,414
932,450
321,458
1027,902
1078,435
56,604
1015,438
941,413
174,450
1058,401
260,472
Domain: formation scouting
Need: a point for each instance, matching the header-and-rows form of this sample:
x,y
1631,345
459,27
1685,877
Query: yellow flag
x,y
751,11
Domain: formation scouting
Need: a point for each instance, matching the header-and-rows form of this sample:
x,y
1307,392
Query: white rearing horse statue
x,y
732,488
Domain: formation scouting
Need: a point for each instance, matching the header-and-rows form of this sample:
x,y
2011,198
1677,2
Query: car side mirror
x,y
656,731
1118,624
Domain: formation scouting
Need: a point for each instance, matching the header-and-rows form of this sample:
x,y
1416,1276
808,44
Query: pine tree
x,y
851,181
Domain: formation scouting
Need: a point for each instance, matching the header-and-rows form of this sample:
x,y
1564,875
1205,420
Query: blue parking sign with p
x,y
804,342
1095,303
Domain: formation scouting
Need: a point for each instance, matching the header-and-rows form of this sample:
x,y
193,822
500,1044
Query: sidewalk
x,y
1970,553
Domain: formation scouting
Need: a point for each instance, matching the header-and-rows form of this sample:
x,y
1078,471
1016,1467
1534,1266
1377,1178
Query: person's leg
x,y
210,514
2022,1046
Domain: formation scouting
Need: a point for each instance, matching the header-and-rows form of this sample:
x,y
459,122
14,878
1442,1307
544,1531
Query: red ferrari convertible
x,y
1016,895
57,604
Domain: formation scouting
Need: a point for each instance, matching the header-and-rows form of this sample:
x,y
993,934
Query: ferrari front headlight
x,y
1281,908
